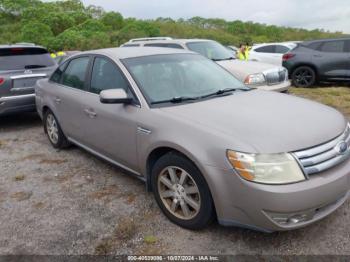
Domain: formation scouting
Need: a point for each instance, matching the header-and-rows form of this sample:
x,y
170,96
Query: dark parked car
x,y
326,60
21,65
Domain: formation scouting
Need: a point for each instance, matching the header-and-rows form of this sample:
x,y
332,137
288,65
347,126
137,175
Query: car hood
x,y
268,122
241,69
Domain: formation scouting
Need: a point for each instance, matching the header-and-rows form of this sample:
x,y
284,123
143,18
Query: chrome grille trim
x,y
276,77
325,156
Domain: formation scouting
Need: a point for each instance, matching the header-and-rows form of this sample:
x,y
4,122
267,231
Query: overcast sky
x,y
330,15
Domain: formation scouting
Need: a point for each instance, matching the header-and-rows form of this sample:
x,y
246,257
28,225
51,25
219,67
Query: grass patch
x,y
21,196
337,97
39,205
125,231
150,240
2,143
19,178
53,161
105,247
105,192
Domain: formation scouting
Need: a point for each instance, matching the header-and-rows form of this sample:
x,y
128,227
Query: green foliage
x,y
36,32
113,20
137,29
69,25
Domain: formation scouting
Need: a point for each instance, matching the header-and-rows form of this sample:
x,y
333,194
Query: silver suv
x,y
21,65
252,73
204,143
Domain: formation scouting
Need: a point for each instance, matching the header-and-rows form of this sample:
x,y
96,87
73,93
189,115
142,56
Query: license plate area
x,y
25,82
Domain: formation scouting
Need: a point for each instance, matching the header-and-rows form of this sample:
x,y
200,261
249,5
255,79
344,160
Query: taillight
x,y
2,80
287,56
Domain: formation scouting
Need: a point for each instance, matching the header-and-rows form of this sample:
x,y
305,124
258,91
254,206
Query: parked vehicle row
x,y
21,65
270,53
325,60
203,134
205,144
254,74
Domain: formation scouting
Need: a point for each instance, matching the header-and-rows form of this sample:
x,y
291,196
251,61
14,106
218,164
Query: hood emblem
x,y
341,147
28,71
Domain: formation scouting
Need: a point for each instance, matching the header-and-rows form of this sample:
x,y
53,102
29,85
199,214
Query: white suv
x,y
254,74
270,53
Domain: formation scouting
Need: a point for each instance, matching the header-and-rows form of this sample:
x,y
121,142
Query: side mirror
x,y
114,96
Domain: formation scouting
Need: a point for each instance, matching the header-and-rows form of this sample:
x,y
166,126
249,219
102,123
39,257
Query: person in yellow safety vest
x,y
241,53
247,51
60,53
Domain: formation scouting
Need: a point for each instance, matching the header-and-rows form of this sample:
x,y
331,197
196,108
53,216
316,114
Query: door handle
x,y
317,55
58,100
90,113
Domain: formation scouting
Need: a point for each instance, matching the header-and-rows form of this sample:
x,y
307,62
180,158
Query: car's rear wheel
x,y
182,192
54,131
304,76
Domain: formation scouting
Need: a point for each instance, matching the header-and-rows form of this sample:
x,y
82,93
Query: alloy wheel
x,y
179,192
304,77
52,128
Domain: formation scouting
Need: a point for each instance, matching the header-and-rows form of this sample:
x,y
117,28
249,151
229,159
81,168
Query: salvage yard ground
x,y
70,202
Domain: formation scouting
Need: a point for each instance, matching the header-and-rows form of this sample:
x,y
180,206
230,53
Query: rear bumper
x,y
282,87
17,104
264,207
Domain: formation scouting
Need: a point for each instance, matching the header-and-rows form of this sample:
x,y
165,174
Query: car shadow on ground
x,y
19,121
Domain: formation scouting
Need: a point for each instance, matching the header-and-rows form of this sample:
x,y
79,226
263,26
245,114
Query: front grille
x,y
277,77
325,156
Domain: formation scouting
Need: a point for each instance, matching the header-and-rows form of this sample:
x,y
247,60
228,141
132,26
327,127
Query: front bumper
x,y
281,87
261,207
17,104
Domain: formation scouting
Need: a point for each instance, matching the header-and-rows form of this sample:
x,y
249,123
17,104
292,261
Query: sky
x,y
309,14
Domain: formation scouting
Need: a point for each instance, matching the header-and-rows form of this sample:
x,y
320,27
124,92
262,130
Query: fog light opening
x,y
291,219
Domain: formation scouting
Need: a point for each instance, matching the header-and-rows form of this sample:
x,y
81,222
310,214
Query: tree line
x,y
69,25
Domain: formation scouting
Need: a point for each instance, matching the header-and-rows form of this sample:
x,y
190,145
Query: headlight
x,y
255,79
266,168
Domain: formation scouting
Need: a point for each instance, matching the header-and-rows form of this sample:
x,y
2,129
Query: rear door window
x,y
347,46
22,58
314,46
280,49
266,49
75,74
333,47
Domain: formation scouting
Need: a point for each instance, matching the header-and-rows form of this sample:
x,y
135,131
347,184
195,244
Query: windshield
x,y
179,77
211,49
24,58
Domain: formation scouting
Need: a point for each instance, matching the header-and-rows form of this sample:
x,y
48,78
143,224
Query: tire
x,y
191,197
304,76
54,132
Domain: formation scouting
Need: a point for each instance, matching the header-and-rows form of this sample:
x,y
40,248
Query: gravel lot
x,y
70,202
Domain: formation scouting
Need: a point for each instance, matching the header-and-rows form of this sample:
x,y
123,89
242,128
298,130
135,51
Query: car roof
x,y
277,43
130,52
22,45
173,41
325,40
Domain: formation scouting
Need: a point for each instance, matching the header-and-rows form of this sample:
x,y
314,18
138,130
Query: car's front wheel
x,y
54,131
182,192
304,76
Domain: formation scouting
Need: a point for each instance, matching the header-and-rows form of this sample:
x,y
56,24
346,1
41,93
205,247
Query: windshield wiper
x,y
224,59
34,66
175,100
223,91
